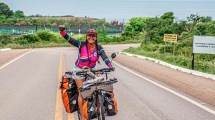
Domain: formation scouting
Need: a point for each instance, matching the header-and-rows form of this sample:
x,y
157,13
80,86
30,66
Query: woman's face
x,y
91,38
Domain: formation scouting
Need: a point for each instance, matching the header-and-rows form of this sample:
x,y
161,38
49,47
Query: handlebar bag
x,y
110,104
69,93
89,108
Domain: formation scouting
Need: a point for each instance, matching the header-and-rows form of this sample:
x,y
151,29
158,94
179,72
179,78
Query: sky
x,y
114,9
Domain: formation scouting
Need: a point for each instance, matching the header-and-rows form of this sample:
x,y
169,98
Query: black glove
x,y
61,27
112,68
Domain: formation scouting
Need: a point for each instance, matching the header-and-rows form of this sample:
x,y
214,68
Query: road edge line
x,y
71,116
8,63
185,70
5,49
58,109
169,90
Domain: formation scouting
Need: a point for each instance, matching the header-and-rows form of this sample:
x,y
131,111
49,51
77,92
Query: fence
x,y
16,29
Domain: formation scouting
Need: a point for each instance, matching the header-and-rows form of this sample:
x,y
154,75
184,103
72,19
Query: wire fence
x,y
18,30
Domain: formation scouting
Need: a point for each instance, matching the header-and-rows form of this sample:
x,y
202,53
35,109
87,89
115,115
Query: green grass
x,y
45,38
122,42
178,60
52,44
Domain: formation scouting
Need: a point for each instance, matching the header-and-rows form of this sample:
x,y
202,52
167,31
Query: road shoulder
x,y
6,56
198,87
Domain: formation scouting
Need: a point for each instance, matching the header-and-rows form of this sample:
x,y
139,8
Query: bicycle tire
x,y
98,110
101,107
79,114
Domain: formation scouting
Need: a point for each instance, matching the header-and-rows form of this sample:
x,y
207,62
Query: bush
x,y
26,39
182,57
81,37
20,40
45,35
5,39
1,45
31,38
185,36
15,46
58,38
118,39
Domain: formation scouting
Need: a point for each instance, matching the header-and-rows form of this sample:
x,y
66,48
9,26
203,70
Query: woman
x,y
89,52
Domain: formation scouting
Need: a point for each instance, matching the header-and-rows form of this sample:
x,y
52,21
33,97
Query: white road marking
x,y
165,88
1,67
5,49
169,90
185,70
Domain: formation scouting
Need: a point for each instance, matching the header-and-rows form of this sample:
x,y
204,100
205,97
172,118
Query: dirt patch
x,y
198,87
9,55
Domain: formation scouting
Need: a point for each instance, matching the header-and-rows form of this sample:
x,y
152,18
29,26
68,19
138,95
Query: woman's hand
x,y
63,32
112,68
61,27
98,74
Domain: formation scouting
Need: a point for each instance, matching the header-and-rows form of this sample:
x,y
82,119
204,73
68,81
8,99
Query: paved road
x,y
29,91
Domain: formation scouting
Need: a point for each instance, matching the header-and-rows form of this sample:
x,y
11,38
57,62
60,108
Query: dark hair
x,y
88,51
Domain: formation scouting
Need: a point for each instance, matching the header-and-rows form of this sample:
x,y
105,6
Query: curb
x,y
197,73
5,49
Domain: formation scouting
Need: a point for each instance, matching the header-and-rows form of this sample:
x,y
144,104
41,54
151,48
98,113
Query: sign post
x,y
172,38
203,45
193,60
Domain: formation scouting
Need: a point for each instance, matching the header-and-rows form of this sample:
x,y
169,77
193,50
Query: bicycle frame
x,y
97,88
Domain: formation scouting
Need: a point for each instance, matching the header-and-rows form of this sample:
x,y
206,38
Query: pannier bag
x,y
69,93
110,104
89,108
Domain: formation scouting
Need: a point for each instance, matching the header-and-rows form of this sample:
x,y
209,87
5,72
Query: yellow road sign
x,y
170,37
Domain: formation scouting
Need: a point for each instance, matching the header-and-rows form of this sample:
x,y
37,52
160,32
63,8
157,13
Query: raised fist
x,y
61,27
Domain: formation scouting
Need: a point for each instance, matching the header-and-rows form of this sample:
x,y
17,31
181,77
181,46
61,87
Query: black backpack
x,y
69,93
110,104
89,108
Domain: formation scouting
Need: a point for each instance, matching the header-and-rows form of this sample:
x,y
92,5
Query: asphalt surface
x,y
29,87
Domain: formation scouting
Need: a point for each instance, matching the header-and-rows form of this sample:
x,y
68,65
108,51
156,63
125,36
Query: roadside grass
x,y
52,44
37,45
201,64
122,42
46,38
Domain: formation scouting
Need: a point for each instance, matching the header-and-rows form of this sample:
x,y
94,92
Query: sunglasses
x,y
91,35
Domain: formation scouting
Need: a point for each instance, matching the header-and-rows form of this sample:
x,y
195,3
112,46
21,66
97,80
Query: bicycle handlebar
x,y
101,71
104,70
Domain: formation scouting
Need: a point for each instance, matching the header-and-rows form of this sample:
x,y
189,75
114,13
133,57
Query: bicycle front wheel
x,y
79,114
101,108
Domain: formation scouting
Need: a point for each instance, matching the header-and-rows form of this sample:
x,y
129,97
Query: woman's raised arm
x,y
72,41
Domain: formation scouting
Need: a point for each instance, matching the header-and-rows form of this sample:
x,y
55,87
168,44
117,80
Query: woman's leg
x,y
79,83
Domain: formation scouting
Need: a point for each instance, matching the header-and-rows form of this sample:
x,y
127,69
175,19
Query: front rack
x,y
104,85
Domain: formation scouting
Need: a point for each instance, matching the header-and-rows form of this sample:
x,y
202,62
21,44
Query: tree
x,y
34,22
200,29
169,17
5,10
102,34
205,19
135,24
153,30
211,28
193,18
180,27
19,14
